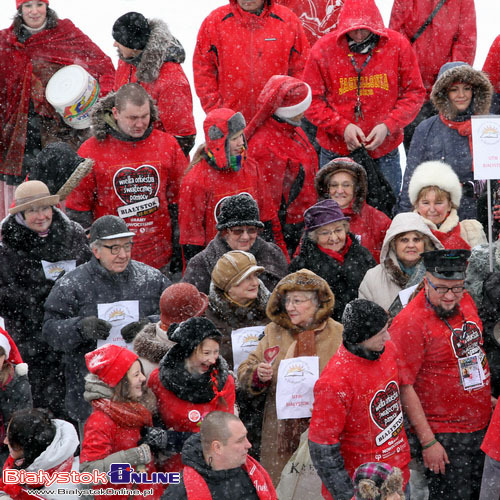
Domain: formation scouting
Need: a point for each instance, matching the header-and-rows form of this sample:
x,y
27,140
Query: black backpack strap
x,y
428,21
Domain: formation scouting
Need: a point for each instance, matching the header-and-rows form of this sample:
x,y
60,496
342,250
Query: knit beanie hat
x,y
132,30
362,319
324,212
233,267
181,301
12,353
32,194
191,333
376,481
20,2
238,210
110,363
435,173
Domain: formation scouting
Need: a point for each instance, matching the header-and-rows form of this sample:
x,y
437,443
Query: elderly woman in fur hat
x,y
299,308
435,192
460,92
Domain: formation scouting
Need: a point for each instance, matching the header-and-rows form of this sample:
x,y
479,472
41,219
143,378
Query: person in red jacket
x,y
445,377
32,49
136,174
357,414
345,181
451,36
221,168
490,483
492,68
122,408
285,157
217,464
192,380
366,87
239,47
150,55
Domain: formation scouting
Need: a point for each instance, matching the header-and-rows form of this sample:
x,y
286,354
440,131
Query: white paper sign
x,y
119,314
294,390
244,341
404,295
486,146
53,270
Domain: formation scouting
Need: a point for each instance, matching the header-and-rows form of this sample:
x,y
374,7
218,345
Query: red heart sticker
x,y
386,405
271,353
133,185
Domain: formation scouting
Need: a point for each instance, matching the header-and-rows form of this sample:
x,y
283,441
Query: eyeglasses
x,y
115,249
295,302
238,231
345,185
324,233
443,290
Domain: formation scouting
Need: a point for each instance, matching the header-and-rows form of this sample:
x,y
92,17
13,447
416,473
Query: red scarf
x,y
338,256
125,414
463,128
63,45
451,239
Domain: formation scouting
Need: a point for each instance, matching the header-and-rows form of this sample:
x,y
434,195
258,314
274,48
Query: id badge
x,y
471,372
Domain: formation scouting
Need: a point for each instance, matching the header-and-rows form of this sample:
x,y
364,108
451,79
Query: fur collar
x,y
234,315
161,47
448,224
482,90
152,343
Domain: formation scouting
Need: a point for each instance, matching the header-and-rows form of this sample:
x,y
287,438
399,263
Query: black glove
x,y
94,328
132,329
155,437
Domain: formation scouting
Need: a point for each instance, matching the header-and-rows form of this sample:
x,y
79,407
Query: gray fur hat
x,y
435,173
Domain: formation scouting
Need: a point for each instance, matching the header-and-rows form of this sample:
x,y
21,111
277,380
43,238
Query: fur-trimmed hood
x,y
451,73
435,173
161,47
300,281
152,343
355,169
102,120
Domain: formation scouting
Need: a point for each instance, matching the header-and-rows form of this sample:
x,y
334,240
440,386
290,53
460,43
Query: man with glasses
x,y
112,286
445,376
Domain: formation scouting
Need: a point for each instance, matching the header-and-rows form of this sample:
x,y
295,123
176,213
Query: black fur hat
x,y
191,333
238,210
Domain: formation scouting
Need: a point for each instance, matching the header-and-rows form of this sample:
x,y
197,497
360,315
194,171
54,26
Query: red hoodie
x,y
492,64
391,87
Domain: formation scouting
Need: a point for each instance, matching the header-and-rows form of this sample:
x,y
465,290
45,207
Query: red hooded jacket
x,y
492,64
391,87
237,52
451,36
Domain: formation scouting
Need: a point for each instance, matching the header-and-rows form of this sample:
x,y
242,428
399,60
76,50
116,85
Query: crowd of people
x,y
280,310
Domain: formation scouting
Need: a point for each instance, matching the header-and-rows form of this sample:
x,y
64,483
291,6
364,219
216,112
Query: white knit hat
x,y
435,173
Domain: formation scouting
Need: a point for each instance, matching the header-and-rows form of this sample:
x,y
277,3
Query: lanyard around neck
x,y
358,112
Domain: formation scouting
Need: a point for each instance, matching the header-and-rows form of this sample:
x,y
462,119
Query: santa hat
x,y
12,353
283,96
110,363
20,2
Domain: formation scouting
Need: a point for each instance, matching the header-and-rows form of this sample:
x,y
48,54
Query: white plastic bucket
x,y
72,92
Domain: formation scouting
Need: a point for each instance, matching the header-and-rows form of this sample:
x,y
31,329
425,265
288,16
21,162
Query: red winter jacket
x,y
237,52
103,437
318,17
451,36
492,64
182,415
391,87
136,181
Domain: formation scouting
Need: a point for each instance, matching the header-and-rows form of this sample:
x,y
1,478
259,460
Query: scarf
x,y
338,256
125,414
464,128
365,46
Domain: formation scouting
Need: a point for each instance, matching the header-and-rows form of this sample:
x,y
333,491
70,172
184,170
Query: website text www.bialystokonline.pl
x,y
90,492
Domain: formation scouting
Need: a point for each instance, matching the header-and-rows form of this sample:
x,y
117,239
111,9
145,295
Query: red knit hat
x,y
11,351
110,363
180,302
20,2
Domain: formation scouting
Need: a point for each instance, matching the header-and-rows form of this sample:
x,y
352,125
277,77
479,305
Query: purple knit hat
x,y
324,212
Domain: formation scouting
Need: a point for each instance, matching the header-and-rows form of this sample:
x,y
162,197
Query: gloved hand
x,y
155,437
132,329
141,455
94,328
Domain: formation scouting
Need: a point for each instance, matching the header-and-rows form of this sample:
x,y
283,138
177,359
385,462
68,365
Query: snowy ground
x,y
96,18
